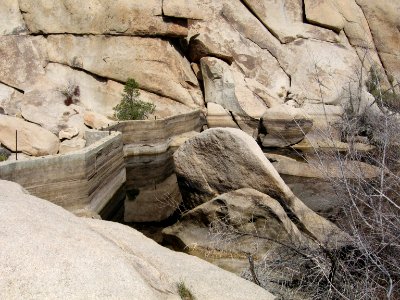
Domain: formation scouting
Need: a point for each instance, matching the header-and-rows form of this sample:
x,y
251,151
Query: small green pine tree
x,y
130,107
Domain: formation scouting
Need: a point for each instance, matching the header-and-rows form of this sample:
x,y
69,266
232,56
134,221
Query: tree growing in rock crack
x,y
131,107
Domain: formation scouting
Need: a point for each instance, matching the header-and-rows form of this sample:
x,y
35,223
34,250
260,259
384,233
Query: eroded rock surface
x,y
31,140
230,223
154,63
222,160
283,126
122,17
53,253
11,21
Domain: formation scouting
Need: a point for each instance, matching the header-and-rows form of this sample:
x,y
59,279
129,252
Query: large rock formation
x,y
254,54
283,126
223,160
316,180
154,63
11,21
384,22
47,252
233,223
19,135
122,17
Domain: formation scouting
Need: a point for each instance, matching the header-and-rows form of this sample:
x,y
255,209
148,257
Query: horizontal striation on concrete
x,y
151,185
152,132
87,178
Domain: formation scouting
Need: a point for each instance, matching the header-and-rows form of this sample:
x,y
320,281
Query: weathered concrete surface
x,y
85,178
160,130
52,254
152,190
154,202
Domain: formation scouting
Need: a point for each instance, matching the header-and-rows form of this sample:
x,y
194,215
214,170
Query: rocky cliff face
x,y
245,56
266,65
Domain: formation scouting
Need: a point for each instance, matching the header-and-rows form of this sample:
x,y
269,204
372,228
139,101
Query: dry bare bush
x,y
369,208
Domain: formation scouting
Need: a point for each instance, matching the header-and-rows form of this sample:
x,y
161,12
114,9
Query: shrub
x,y
369,268
130,107
71,92
184,292
3,157
385,98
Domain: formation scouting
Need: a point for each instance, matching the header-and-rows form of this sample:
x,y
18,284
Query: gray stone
x,y
232,161
219,84
54,253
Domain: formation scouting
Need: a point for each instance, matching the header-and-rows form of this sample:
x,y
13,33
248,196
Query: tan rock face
x,y
32,139
11,21
240,207
122,17
97,258
229,224
22,60
311,66
284,20
96,120
309,180
232,161
236,37
154,63
188,9
7,99
219,84
324,13
68,133
97,95
384,22
47,109
283,125
72,145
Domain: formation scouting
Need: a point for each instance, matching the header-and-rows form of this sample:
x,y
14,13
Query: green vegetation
x,y
385,98
131,108
3,157
184,292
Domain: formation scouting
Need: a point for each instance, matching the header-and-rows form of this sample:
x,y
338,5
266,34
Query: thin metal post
x,y
16,144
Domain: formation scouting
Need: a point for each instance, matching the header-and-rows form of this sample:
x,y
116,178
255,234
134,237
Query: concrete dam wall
x,y
128,161
84,179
